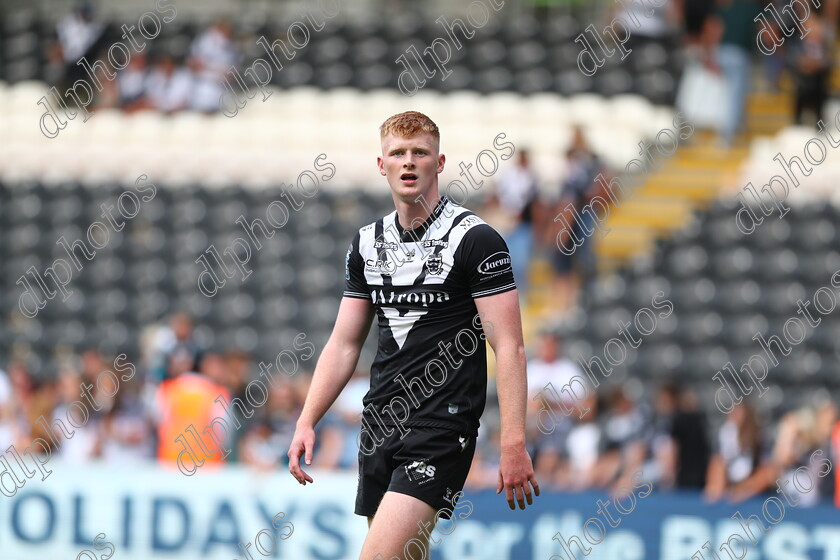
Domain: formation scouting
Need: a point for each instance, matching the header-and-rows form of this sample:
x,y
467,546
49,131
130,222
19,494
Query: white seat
x,y
589,109
632,112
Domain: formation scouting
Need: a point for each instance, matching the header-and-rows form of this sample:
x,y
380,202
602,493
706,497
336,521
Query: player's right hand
x,y
302,444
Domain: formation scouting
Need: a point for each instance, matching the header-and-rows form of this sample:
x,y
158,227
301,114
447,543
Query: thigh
x,y
399,529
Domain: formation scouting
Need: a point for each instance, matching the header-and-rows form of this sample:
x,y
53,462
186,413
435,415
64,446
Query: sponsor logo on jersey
x,y
469,221
381,266
384,245
347,263
383,297
495,263
420,470
435,243
434,264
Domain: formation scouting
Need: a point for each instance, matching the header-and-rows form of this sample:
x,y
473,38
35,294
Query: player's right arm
x,y
337,362
332,372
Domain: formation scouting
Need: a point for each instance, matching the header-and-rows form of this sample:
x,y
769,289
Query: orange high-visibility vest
x,y
185,401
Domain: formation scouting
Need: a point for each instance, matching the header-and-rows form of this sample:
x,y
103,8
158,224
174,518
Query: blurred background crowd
x,y
661,435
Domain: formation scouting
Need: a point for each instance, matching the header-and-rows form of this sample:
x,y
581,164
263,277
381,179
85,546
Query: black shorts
x,y
430,464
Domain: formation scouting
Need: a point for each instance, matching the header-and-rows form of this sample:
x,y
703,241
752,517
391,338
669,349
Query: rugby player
x,y
440,284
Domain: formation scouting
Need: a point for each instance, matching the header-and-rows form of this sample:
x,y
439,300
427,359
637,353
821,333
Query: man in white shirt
x,y
517,193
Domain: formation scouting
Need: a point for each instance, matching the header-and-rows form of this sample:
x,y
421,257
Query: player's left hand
x,y
516,476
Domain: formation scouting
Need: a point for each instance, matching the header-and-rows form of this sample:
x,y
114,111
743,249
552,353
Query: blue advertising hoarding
x,y
145,513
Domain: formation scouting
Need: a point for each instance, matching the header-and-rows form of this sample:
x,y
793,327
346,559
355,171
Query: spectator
x,y
679,449
259,448
695,15
131,84
811,67
516,198
79,36
212,53
733,29
578,261
127,428
801,433
22,405
580,468
267,439
626,439
735,468
551,366
648,23
690,441
92,366
234,373
7,432
85,441
185,399
168,87
177,339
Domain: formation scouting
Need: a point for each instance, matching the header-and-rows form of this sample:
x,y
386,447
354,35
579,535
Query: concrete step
x,y
624,242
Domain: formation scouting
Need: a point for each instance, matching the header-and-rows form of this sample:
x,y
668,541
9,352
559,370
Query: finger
x,y
307,445
520,498
533,480
501,483
509,495
294,464
295,473
295,470
528,497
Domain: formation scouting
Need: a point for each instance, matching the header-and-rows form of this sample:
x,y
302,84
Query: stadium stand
x,y
677,234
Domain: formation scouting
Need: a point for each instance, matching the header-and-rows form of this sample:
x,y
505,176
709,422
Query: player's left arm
x,y
502,325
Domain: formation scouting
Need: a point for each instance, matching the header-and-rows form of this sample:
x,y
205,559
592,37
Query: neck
x,y
413,213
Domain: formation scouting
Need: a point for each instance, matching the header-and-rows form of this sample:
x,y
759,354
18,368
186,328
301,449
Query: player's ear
x,y
441,163
380,163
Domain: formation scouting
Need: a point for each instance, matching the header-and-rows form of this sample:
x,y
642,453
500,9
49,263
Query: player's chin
x,y
408,191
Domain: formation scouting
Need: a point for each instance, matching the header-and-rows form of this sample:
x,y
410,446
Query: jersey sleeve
x,y
486,262
355,285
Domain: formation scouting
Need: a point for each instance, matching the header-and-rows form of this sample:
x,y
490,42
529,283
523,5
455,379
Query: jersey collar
x,y
415,234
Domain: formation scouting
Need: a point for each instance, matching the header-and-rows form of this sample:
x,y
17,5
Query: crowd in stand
x,y
159,81
665,438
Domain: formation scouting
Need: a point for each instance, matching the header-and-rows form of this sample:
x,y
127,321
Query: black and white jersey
x,y
422,282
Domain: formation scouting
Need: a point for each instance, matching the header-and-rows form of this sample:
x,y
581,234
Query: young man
x,y
440,282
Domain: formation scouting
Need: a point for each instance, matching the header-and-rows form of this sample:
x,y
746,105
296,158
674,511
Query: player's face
x,y
411,165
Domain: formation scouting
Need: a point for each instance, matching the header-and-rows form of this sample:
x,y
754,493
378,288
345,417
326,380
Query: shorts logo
x,y
463,441
453,408
434,264
495,263
420,470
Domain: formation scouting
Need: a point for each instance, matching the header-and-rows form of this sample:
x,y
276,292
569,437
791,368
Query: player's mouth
x,y
408,178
